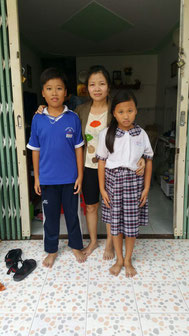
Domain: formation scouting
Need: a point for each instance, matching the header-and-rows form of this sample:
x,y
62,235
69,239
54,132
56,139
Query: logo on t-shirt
x,y
69,132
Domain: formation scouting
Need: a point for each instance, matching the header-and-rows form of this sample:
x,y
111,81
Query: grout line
x,y
38,302
87,298
137,307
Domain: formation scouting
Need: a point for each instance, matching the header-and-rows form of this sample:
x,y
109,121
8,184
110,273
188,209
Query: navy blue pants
x,y
52,198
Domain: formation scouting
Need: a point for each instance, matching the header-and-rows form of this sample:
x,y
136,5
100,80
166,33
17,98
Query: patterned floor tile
x,y
147,248
68,270
15,324
184,288
165,325
99,271
180,268
113,325
152,270
63,297
159,297
20,297
58,325
107,297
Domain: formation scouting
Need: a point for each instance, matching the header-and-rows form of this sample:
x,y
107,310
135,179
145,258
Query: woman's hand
x,y
40,109
77,185
141,166
105,198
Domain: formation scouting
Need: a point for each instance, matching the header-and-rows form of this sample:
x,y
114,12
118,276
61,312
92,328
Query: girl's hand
x,y
141,166
37,187
77,185
40,109
105,198
143,198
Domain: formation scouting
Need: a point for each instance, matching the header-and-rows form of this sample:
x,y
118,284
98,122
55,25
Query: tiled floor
x,y
85,300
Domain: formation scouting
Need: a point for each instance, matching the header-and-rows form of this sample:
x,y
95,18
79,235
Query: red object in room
x,y
82,204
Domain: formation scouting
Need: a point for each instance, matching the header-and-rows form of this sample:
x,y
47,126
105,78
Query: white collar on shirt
x,y
45,111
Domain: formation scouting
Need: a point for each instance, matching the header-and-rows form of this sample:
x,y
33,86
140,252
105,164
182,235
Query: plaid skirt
x,y
124,189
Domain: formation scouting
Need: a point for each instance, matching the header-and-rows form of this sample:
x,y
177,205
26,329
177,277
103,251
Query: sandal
x,y
28,266
13,257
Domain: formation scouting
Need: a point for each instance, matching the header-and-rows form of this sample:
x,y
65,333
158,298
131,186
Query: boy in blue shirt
x,y
56,143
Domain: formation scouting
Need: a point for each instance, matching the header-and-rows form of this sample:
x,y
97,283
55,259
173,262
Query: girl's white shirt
x,y
129,147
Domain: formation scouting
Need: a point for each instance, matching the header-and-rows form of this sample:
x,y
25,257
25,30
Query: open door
x,y
181,121
18,112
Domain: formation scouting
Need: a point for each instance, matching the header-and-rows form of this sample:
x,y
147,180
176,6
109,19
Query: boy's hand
x,y
141,166
77,185
143,198
37,187
106,198
40,109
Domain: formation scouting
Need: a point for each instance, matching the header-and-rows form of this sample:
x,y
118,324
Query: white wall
x,y
28,56
166,88
144,69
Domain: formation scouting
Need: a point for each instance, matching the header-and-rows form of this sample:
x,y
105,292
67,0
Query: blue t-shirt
x,y
56,139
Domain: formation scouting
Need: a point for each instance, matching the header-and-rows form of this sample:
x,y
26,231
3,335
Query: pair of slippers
x,y
12,258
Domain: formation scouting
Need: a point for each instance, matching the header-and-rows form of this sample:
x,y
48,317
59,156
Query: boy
x,y
56,143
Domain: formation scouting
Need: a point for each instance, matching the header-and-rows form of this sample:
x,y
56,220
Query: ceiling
x,y
104,27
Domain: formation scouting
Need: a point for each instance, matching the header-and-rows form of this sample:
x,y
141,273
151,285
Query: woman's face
x,y
98,87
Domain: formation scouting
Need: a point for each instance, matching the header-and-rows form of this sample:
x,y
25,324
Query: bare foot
x,y
116,268
109,251
90,248
49,260
80,257
130,271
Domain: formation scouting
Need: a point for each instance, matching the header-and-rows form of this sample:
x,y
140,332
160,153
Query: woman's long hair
x,y
121,97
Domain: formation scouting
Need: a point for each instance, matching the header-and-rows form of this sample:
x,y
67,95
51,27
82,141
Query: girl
x,y
95,116
124,193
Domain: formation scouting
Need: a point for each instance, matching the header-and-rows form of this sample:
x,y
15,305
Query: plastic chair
x,y
82,204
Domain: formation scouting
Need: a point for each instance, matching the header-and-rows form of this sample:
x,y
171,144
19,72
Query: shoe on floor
x,y
28,266
13,257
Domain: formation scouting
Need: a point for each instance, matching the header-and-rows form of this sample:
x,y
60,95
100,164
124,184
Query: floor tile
x,y
165,325
63,297
68,270
184,288
113,325
107,297
99,270
58,324
152,270
159,297
15,324
20,297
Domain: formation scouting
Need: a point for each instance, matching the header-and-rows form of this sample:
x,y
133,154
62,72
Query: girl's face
x,y
98,87
125,114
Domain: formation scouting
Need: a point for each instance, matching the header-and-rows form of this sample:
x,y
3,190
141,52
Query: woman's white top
x,y
95,124
129,147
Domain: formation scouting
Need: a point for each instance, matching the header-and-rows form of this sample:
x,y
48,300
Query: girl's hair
x,y
121,97
98,68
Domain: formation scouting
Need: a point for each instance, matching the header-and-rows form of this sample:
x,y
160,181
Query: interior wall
x,y
144,69
31,58
166,88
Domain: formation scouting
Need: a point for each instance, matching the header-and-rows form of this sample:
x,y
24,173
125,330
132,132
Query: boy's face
x,y
54,92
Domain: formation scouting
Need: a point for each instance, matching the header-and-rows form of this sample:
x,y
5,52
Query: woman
x,y
95,116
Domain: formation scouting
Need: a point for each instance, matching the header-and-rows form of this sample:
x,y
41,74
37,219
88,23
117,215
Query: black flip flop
x,y
28,266
13,257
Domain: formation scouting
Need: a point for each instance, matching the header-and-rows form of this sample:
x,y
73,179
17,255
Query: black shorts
x,y
90,186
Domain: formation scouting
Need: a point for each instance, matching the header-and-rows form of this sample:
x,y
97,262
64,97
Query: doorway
x,y
150,62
